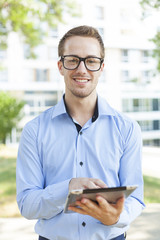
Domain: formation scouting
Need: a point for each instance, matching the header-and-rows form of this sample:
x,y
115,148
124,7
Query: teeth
x,y
81,81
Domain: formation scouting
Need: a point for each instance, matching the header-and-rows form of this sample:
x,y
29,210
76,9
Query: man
x,y
79,143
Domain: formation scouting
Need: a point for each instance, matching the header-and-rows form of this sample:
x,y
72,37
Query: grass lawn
x,y
8,188
151,189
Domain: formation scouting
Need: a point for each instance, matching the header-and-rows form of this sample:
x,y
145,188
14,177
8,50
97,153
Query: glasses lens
x,y
93,63
71,62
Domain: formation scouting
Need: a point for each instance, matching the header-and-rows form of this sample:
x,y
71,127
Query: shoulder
x,y
32,127
124,124
128,128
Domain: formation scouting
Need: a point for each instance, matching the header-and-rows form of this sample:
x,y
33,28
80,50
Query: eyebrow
x,y
74,55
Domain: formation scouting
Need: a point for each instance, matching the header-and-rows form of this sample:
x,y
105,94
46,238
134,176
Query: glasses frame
x,y
81,60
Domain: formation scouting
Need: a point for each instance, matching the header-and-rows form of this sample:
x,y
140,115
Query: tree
x,y
150,5
10,114
31,19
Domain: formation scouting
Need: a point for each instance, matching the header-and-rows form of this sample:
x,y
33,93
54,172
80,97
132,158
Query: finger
x,y
77,210
102,202
89,206
99,183
90,184
120,204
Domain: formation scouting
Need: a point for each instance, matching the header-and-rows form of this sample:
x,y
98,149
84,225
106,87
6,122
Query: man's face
x,y
81,82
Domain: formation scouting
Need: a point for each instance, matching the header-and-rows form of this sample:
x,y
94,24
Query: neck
x,y
81,109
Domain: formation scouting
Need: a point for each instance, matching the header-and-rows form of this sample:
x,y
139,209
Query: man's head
x,y
83,31
81,63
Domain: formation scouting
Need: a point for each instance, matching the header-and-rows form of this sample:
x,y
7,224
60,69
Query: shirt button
x,y
83,224
81,163
80,133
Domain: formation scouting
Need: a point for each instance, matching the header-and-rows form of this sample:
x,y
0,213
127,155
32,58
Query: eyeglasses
x,y
71,62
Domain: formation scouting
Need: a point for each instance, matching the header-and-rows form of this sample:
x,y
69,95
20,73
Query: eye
x,y
93,61
72,60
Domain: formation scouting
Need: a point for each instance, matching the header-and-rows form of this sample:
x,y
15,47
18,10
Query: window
x,y
125,57
49,103
156,142
146,104
145,56
142,105
127,105
156,125
38,101
41,75
155,104
145,77
137,105
125,76
145,125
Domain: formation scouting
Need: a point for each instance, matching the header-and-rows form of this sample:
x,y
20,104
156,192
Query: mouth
x,y
81,80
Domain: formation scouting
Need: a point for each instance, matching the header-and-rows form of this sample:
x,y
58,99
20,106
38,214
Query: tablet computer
x,y
110,194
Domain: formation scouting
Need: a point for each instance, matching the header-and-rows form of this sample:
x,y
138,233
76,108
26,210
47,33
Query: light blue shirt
x,y
51,152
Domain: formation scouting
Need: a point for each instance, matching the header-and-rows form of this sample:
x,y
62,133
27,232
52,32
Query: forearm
x,y
43,203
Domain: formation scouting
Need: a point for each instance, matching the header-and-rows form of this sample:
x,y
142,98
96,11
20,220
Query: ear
x,y
102,67
60,67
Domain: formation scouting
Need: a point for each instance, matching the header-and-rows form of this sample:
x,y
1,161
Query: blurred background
x,y
30,82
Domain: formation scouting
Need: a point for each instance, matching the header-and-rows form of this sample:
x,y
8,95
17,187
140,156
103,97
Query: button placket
x,y
81,163
83,224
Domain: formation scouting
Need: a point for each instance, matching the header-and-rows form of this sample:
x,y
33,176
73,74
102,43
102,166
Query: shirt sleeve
x,y
130,173
34,200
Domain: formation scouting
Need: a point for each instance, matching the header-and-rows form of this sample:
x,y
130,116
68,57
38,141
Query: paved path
x,y
146,226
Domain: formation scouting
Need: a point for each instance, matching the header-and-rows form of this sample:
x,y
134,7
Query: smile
x,y
81,80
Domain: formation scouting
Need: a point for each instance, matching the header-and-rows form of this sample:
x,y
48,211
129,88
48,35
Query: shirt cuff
x,y
58,192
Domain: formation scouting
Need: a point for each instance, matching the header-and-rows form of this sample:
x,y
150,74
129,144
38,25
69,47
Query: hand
x,y
82,183
105,212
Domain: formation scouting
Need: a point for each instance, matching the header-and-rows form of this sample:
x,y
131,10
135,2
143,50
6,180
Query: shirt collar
x,y
102,108
59,109
95,114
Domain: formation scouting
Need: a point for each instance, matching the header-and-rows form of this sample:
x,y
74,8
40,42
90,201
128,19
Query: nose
x,y
81,67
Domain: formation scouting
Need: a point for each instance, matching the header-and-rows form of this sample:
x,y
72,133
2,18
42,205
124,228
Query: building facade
x,y
129,82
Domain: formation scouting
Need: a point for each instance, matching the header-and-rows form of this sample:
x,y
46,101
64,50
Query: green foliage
x,y
156,51
31,19
150,3
8,176
10,114
153,5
